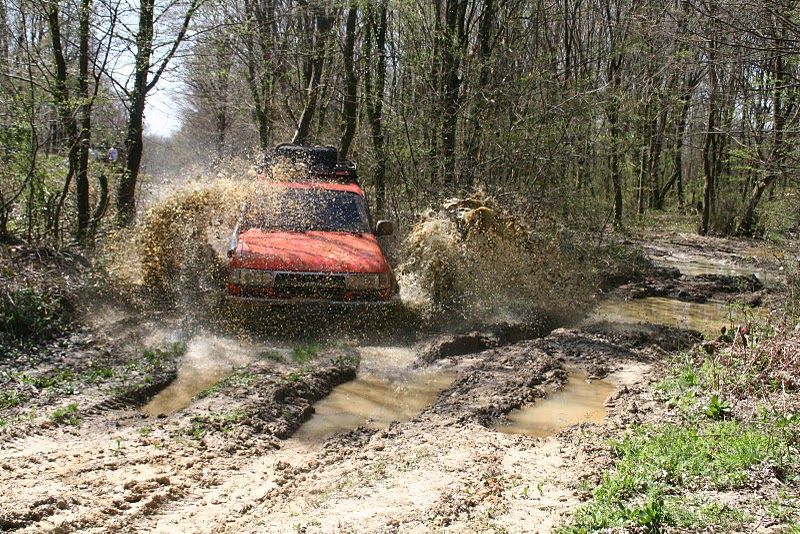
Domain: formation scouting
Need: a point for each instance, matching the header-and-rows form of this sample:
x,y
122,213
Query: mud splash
x,y
580,401
179,244
474,260
707,318
385,390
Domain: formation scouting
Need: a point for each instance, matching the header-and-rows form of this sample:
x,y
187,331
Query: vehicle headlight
x,y
252,277
360,282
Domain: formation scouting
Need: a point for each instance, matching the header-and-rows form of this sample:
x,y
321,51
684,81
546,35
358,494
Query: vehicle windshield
x,y
302,210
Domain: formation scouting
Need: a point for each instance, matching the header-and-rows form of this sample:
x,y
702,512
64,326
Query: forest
x,y
591,112
562,295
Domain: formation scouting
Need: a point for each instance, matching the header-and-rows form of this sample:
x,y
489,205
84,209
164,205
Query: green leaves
x,y
67,415
717,409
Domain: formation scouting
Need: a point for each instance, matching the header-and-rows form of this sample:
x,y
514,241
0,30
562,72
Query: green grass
x,y
238,379
11,398
66,415
18,386
297,376
667,474
222,422
157,358
306,353
657,464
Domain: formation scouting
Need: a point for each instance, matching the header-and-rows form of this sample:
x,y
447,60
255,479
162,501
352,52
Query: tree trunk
x,y
85,113
61,97
616,177
4,42
374,84
134,141
323,24
349,105
454,42
137,97
260,73
709,145
485,26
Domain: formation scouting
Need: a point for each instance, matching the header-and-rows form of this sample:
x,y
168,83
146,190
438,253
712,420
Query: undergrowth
x,y
30,315
736,428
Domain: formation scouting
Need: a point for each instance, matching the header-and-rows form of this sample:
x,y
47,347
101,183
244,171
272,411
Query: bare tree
x,y
145,78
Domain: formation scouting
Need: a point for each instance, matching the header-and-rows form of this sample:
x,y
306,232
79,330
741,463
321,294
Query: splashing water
x,y
479,261
468,260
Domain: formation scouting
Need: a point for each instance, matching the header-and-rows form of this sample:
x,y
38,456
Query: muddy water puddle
x,y
208,360
580,401
707,318
385,390
697,264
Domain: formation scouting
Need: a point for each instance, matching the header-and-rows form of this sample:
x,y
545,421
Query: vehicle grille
x,y
310,285
322,286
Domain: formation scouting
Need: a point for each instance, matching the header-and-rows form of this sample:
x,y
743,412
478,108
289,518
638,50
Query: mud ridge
x,y
136,396
484,338
493,382
496,382
698,289
272,406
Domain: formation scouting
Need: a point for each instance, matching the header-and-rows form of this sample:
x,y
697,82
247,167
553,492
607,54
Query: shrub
x,y
29,314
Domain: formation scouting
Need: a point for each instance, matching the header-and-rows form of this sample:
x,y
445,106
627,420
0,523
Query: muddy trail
x,y
495,429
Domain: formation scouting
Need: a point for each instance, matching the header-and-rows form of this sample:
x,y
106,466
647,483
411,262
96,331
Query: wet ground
x,y
581,400
473,432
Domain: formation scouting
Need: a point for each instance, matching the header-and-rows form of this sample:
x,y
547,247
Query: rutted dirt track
x,y
228,461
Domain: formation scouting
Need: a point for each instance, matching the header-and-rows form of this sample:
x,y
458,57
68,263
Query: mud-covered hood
x,y
337,252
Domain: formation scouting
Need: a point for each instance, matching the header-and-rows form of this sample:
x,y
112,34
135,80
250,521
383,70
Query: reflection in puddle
x,y
208,360
695,265
580,401
385,390
706,318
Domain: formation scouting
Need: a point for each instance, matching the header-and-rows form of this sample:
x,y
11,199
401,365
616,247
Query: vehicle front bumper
x,y
311,305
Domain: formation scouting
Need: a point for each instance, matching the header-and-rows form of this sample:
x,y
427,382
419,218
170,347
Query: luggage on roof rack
x,y
313,155
322,161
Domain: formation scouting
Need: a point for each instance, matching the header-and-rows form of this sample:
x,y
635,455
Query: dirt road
x,y
227,456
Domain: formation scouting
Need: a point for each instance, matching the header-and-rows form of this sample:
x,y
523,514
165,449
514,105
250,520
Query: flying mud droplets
x,y
180,241
469,260
478,261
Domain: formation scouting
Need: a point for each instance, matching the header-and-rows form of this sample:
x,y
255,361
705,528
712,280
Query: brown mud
x,y
243,454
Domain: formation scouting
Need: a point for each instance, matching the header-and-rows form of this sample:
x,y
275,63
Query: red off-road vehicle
x,y
310,240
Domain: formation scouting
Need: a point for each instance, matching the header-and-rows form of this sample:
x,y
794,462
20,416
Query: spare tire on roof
x,y
314,156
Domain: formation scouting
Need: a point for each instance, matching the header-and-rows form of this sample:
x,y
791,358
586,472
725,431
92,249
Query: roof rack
x,y
322,161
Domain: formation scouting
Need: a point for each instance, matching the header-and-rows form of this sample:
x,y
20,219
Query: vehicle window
x,y
303,210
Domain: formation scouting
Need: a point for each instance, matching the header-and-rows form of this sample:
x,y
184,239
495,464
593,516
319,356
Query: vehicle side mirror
x,y
384,228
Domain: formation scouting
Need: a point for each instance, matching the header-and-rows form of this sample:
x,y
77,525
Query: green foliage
x,y
29,315
66,415
662,469
238,379
306,353
154,361
158,358
20,386
297,376
717,409
10,398
222,422
656,462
